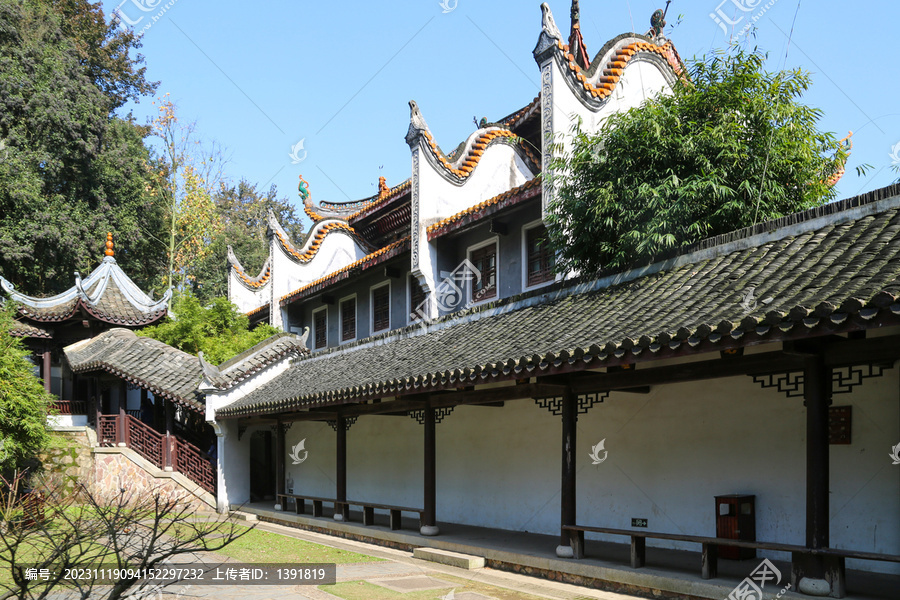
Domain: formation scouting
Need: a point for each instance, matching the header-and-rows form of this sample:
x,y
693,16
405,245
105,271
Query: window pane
x,y
540,257
348,320
320,324
485,260
381,308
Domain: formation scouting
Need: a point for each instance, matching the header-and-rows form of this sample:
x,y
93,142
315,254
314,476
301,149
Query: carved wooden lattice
x,y
790,384
439,414
145,441
108,431
844,379
196,465
585,402
348,423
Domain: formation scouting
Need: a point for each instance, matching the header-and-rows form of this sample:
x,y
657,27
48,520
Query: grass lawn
x,y
259,546
361,590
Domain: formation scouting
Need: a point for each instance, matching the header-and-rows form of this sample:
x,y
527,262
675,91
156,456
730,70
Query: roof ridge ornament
x,y
550,38
658,22
417,125
303,188
109,245
549,24
576,41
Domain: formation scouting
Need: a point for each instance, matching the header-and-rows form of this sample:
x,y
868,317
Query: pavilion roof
x,y
830,269
107,294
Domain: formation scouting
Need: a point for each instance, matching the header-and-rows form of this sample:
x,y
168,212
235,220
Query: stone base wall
x,y
118,469
70,461
76,459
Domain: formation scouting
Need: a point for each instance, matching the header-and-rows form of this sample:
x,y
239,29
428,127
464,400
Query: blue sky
x,y
258,78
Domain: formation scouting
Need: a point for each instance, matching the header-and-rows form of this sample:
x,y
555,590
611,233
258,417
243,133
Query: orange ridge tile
x,y
615,67
484,204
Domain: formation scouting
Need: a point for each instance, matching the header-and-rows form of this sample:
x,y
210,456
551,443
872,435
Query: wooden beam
x,y
769,362
644,389
865,350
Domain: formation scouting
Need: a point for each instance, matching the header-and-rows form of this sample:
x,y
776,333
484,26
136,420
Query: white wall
x,y
233,466
670,452
337,250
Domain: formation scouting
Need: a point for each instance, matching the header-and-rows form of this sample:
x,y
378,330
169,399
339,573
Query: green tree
x,y
242,211
218,329
24,404
70,168
185,174
731,146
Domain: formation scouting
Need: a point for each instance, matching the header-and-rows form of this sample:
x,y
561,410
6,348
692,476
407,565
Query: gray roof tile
x,y
795,274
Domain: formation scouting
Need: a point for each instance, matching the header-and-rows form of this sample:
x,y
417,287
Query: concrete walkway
x,y
399,572
669,573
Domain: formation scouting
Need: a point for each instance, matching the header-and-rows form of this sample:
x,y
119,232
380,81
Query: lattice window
x,y
348,320
416,298
485,260
540,257
320,327
381,308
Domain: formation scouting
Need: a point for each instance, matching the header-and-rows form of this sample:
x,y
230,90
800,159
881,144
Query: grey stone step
x,y
453,559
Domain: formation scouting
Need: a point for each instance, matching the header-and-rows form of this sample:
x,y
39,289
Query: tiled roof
x,y
352,210
237,369
22,329
516,119
527,190
107,294
368,261
152,365
834,268
257,310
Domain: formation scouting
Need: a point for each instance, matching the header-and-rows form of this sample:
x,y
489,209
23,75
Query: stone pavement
x,y
399,572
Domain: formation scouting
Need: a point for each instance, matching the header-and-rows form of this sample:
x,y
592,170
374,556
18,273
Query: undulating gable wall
x,y
670,452
244,297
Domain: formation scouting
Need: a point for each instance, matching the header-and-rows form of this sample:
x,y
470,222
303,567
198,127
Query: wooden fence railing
x,y
163,450
71,407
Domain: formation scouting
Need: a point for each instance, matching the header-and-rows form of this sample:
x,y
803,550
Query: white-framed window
x,y
484,258
538,259
320,328
347,312
380,300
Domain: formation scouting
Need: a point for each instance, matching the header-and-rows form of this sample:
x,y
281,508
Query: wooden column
x,y
170,436
123,425
429,517
96,403
279,462
145,399
341,511
817,393
568,486
46,368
